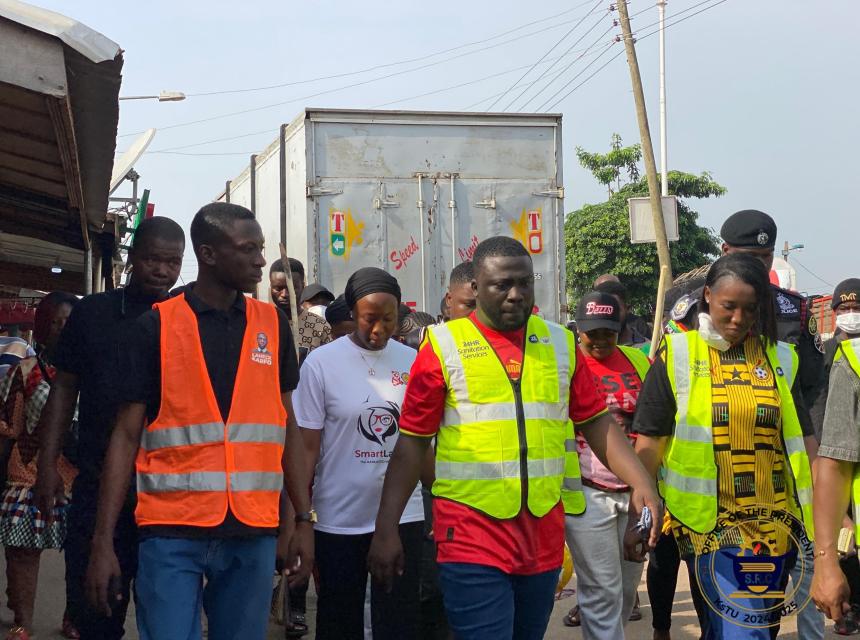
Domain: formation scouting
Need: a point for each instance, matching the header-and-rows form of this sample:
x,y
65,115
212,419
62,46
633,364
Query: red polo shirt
x,y
522,545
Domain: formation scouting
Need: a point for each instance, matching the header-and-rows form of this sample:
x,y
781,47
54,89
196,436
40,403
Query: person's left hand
x,y
635,548
296,555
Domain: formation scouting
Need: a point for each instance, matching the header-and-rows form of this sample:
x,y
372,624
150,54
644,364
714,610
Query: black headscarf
x,y
337,311
370,280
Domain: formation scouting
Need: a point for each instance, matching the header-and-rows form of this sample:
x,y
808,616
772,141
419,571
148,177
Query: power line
x,y
225,153
812,273
547,70
606,64
563,71
647,35
406,61
551,49
436,91
471,82
348,86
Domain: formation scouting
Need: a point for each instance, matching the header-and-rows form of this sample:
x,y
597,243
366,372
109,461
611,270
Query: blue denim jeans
x,y
169,589
484,603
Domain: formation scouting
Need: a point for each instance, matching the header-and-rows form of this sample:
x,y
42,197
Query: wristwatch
x,y
307,516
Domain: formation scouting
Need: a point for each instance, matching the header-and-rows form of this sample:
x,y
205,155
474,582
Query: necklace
x,y
370,370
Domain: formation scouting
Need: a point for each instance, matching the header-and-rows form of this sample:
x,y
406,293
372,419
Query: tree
x,y
597,236
607,167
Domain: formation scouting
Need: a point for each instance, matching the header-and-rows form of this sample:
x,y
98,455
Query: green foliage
x,y
607,167
597,239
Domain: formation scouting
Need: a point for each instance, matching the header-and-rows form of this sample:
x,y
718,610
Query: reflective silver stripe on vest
x,y
256,481
681,369
570,445
572,484
795,445
804,496
477,470
468,412
786,361
701,486
192,434
168,482
690,433
257,432
453,364
562,361
546,468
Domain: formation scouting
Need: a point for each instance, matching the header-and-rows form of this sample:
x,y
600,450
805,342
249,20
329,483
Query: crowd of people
x,y
185,445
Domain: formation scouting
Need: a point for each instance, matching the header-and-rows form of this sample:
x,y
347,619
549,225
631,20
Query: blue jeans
x,y
485,603
740,618
169,587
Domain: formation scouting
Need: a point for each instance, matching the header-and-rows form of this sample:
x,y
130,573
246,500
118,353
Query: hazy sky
x,y
761,93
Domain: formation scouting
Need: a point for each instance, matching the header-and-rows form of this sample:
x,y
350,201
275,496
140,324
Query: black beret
x,y
337,311
846,291
749,229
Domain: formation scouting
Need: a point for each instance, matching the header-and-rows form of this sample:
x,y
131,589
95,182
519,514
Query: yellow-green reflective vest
x,y
850,350
506,445
689,484
638,359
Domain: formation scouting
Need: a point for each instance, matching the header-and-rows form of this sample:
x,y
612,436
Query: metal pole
x,y
647,148
420,205
664,180
88,271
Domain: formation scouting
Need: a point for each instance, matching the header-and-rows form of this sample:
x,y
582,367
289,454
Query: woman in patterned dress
x,y
24,530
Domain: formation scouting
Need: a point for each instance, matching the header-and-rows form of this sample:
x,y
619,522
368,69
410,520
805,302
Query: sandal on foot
x,y
18,633
572,618
297,626
69,630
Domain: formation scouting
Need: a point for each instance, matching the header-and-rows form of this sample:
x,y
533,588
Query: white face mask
x,y
849,322
710,335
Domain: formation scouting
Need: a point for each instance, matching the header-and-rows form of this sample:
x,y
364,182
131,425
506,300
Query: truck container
x,y
412,192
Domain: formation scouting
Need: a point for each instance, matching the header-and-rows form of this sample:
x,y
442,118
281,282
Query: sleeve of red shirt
x,y
424,404
586,403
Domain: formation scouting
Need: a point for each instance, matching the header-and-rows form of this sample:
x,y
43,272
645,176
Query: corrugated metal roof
x,y
86,41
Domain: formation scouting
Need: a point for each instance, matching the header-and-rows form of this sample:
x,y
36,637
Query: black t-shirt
x,y
656,406
221,336
89,348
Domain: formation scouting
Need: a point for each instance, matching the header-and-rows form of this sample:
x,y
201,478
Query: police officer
x,y
754,232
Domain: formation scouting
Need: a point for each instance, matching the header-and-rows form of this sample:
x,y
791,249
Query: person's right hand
x,y
48,488
103,567
830,590
385,558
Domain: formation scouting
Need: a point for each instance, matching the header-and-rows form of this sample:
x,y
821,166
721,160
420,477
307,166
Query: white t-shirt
x,y
359,415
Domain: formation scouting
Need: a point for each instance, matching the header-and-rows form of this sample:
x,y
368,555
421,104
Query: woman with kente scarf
x,y
718,418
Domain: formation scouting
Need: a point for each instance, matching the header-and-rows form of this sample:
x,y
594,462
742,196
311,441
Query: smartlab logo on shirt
x,y
377,423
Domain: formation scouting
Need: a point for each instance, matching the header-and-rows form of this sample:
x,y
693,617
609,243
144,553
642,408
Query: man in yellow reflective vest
x,y
501,390
838,463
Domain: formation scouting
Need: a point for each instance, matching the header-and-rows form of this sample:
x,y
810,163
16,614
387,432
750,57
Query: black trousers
x,y
91,624
662,578
342,565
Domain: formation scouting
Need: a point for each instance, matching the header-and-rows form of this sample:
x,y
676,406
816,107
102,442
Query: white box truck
x,y
412,192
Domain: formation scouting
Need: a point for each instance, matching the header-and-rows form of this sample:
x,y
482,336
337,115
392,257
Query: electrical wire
x,y
557,102
225,153
563,71
348,86
647,35
551,49
471,82
394,64
812,273
547,70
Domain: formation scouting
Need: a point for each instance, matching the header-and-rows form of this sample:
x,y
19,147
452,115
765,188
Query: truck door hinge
x,y
487,204
550,193
385,203
314,191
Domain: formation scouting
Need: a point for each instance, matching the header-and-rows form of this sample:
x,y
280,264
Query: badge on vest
x,y
261,354
779,371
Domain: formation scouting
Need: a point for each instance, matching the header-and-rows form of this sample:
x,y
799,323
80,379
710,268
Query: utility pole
x,y
664,162
647,148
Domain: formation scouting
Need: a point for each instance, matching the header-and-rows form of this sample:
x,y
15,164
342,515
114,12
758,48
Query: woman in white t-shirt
x,y
348,406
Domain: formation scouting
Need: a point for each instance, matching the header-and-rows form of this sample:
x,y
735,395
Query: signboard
x,y
642,223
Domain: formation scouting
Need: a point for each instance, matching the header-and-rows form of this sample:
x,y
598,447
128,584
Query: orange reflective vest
x,y
191,464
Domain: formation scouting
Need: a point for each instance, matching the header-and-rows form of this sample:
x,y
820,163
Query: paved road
x,y
49,611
